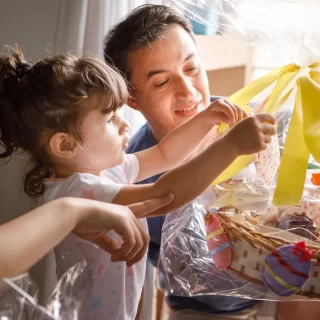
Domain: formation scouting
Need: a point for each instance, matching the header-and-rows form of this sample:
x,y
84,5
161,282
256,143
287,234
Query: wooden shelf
x,y
228,63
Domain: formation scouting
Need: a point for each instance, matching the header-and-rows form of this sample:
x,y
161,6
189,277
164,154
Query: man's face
x,y
170,82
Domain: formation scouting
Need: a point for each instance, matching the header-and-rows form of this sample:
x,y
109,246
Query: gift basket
x,y
240,244
255,232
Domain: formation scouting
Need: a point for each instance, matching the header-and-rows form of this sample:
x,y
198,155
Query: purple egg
x,y
285,271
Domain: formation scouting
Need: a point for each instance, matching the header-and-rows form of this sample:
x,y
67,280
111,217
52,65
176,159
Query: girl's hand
x,y
251,135
94,220
222,110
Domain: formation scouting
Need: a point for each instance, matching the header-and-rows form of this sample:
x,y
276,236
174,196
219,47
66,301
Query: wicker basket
x,y
250,248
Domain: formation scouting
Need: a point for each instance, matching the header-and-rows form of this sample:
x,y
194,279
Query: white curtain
x,y
82,26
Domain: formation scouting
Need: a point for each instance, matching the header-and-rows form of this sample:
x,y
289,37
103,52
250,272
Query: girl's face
x,y
104,140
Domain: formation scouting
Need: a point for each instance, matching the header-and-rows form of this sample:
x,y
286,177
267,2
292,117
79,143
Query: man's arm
x,y
26,239
193,177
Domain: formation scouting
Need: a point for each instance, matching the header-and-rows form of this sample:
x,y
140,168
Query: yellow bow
x,y
304,131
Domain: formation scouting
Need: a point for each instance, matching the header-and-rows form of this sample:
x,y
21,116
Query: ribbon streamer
x,y
303,136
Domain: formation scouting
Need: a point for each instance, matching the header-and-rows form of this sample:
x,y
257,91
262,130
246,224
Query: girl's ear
x,y
62,145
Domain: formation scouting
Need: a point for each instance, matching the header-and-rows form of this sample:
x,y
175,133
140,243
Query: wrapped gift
x,y
258,237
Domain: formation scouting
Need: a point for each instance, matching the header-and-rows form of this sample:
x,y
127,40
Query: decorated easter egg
x,y
218,243
287,269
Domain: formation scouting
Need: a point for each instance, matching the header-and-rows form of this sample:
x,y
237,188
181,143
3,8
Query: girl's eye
x,y
111,119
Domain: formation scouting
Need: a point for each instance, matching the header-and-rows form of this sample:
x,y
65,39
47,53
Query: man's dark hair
x,y
142,26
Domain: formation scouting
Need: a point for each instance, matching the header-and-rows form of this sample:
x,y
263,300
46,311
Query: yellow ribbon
x,y
279,280
304,131
215,233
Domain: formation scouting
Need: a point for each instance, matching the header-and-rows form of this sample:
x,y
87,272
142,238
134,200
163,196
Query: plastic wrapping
x,y
233,240
230,241
287,29
253,228
208,247
19,297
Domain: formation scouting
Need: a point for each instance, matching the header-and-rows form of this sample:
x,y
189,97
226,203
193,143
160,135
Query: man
x,y
155,50
168,83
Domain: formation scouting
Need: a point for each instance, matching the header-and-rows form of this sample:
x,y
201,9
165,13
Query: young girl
x,y
64,111
88,219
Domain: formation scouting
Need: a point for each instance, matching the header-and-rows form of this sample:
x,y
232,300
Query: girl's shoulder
x,y
126,173
81,185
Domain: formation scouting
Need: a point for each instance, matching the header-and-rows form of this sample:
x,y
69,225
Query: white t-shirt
x,y
106,290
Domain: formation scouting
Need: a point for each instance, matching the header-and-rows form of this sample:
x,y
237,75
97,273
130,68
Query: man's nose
x,y
185,89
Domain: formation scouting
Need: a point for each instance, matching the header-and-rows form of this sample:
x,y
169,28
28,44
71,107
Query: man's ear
x,y
132,102
62,145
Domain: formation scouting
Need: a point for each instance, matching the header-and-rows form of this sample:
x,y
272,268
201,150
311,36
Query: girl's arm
x,y
26,239
190,179
179,144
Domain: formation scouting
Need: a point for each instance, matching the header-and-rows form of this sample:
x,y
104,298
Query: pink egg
x,y
218,242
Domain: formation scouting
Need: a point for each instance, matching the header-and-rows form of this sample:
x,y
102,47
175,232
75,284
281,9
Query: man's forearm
x,y
186,181
192,178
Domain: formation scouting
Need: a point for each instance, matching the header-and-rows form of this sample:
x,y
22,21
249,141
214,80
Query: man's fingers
x,y
138,248
147,206
137,257
106,243
138,244
142,248
140,254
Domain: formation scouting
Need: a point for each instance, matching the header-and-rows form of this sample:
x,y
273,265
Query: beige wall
x,y
31,23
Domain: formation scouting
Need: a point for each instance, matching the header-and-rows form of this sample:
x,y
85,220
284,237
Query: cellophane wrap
x,y
287,29
252,227
19,297
233,240
186,260
249,227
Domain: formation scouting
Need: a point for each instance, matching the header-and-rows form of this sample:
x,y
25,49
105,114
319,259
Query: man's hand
x,y
96,219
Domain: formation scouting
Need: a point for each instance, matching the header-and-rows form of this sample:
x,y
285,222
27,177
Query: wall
x,y
31,23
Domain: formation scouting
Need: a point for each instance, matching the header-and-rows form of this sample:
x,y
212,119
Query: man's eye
x,y
191,69
161,84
